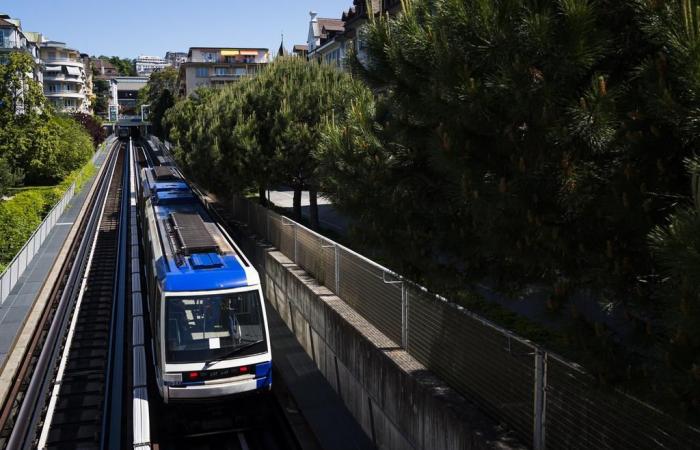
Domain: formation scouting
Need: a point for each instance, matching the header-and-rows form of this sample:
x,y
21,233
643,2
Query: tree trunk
x,y
313,207
261,195
297,203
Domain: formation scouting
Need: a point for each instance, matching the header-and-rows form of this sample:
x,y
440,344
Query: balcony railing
x,y
10,43
58,76
61,60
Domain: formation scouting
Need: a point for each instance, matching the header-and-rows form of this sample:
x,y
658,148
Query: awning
x,y
73,71
230,53
53,69
249,52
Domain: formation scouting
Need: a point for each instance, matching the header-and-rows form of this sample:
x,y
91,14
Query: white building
x,y
326,40
65,80
14,39
146,65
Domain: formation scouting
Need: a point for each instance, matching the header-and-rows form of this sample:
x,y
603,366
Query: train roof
x,y
197,254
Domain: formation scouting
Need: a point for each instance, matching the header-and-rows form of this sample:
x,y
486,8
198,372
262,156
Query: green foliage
x,y
20,95
676,245
526,142
60,146
159,93
19,217
102,96
262,130
92,125
33,140
125,66
23,212
9,176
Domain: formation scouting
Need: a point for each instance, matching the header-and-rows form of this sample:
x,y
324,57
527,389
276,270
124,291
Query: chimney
x,y
314,16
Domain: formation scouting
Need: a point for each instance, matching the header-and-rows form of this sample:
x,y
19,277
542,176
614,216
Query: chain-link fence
x,y
12,273
550,403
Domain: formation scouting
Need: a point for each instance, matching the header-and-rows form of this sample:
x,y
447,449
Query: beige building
x,y
218,66
66,85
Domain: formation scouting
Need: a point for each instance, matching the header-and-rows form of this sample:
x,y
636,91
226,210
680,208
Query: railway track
x,y
239,424
68,391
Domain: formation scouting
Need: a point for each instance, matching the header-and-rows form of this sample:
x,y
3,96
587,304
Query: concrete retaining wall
x,y
396,400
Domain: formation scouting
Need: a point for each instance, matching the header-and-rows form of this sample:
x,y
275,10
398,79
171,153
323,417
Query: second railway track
x,y
64,395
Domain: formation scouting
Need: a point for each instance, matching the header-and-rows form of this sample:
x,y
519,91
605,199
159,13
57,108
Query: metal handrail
x,y
40,233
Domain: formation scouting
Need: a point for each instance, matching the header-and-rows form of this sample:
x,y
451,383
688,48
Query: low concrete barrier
x,y
397,401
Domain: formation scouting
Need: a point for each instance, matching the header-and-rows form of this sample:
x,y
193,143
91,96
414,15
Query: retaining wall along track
x,y
397,401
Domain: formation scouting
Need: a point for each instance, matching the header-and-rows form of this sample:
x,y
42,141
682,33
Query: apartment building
x,y
66,84
176,59
104,69
14,39
146,65
326,40
218,66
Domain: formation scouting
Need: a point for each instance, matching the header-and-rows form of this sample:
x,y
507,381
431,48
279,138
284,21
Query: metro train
x,y
206,308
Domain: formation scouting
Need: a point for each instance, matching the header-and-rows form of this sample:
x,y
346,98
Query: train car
x,y
206,308
123,133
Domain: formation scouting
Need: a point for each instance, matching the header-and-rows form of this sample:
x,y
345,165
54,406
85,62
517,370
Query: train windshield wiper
x,y
235,351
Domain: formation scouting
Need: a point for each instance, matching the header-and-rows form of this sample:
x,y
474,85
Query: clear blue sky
x,y
129,28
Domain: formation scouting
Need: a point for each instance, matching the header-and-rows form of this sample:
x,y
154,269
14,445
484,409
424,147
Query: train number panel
x,y
206,306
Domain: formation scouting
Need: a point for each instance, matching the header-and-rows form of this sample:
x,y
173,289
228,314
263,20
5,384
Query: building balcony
x,y
48,76
64,94
11,44
6,47
63,61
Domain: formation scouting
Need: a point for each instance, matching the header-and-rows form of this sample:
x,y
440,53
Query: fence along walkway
x,y
12,273
549,402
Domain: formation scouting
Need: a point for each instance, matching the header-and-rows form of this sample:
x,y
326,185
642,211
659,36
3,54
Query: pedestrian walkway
x,y
326,415
15,309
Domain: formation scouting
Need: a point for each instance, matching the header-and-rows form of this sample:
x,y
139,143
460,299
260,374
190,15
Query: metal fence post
x,y
337,270
538,438
404,316
295,244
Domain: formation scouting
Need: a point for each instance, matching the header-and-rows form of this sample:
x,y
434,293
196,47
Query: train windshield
x,y
202,329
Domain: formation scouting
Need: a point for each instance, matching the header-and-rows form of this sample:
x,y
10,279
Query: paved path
x,y
16,307
328,216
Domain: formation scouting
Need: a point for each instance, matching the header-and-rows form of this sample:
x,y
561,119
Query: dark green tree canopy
x,y
261,131
535,142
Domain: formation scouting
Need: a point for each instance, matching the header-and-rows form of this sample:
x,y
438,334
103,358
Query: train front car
x,y
208,317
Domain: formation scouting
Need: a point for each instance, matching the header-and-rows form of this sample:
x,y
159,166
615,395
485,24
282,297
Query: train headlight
x,y
172,378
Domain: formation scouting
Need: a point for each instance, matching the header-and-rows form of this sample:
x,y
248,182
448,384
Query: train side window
x,y
157,300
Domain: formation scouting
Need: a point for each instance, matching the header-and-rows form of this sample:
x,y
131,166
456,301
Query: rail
x,y
79,313
548,401
14,270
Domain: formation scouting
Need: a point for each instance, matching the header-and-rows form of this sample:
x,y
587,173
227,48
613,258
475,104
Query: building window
x,y
5,38
221,71
202,72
